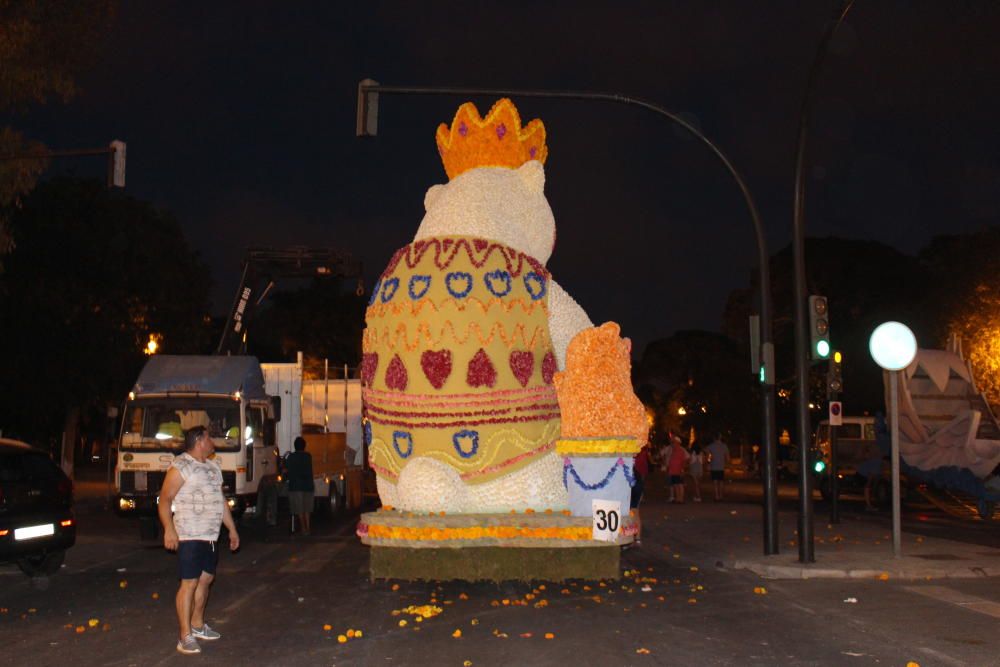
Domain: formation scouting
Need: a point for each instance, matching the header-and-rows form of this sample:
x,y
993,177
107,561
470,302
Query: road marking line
x,y
240,601
944,657
958,598
314,558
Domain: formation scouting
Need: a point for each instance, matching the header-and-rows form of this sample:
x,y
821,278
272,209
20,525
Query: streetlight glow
x,y
152,345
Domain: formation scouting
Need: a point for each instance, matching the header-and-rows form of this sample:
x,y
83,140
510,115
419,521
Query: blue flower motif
x,y
459,276
499,276
375,291
401,439
458,437
367,432
568,468
419,284
535,284
389,288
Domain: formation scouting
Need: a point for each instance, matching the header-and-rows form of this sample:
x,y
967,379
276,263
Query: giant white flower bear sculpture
x,y
466,330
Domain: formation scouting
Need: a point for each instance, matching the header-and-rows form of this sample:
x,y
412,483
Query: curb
x,y
811,572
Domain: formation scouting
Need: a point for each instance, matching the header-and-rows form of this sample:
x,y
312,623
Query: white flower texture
x,y
566,320
496,203
426,485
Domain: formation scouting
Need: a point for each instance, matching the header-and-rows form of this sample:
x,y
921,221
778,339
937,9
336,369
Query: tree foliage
x,y
94,274
44,46
702,375
324,320
964,274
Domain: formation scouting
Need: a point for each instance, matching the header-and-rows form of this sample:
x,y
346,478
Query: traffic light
x,y
834,377
117,166
819,328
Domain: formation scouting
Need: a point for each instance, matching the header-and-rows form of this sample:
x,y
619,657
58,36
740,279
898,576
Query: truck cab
x,y
856,444
175,393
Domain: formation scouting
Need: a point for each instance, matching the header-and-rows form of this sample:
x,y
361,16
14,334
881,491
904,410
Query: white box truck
x,y
174,393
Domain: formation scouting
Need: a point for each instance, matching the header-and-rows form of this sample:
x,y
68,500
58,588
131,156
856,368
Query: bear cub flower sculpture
x,y
467,330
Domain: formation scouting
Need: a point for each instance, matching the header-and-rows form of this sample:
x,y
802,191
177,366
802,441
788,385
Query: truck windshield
x,y
160,423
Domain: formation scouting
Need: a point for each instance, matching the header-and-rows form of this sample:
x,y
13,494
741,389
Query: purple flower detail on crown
x,y
501,130
534,149
463,129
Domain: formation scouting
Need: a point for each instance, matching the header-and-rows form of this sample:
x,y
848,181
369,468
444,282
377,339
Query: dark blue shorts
x,y
197,556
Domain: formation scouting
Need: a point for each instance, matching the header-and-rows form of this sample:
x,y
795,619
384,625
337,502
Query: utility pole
x,y
806,545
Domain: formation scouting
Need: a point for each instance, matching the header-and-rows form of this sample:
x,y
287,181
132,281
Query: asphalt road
x,y
274,597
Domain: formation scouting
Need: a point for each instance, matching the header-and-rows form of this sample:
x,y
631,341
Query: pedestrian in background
x,y
640,470
696,470
675,469
718,453
299,468
193,487
665,453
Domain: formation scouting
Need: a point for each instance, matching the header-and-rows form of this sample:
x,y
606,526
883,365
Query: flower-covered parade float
x,y
496,411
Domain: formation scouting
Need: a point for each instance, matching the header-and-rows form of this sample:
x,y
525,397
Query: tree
x,y
94,274
323,320
965,293
866,283
44,45
700,380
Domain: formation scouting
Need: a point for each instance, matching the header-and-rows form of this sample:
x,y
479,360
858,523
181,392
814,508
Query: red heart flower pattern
x,y
548,368
369,364
522,364
481,371
437,366
396,376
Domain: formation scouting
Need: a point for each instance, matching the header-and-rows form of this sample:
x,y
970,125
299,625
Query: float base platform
x,y
489,547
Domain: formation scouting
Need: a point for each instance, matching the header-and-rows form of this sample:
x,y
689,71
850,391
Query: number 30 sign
x,y
607,520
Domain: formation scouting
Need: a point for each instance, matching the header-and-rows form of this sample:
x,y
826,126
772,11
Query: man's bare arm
x,y
171,485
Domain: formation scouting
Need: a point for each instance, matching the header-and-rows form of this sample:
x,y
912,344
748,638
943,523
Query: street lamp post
x,y
367,125
893,346
806,546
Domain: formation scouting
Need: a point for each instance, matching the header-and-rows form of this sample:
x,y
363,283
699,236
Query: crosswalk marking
x,y
313,559
958,598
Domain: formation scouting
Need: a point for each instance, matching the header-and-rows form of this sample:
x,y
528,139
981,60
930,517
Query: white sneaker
x,y
188,645
205,632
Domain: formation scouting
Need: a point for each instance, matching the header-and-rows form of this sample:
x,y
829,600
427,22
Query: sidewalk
x,y
729,535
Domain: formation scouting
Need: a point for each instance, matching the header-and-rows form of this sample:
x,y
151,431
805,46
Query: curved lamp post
x,y
368,95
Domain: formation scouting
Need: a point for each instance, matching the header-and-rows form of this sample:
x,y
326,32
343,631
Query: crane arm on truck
x,y
263,266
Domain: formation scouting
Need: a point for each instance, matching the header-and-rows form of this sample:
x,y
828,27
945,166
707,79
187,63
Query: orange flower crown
x,y
495,141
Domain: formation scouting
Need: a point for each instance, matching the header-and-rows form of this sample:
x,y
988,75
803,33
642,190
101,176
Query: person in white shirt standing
x,y
193,487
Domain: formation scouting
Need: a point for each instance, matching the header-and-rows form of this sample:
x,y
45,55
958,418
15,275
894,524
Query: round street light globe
x,y
893,346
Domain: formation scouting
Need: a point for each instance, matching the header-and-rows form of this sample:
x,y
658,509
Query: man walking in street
x,y
719,453
299,469
193,487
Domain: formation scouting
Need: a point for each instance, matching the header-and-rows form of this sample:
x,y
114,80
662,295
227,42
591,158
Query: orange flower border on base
x,y
469,530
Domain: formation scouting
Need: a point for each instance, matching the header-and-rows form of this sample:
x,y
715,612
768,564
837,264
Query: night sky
x,y
240,118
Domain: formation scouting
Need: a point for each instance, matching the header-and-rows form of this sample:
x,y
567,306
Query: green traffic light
x,y
823,348
763,374
819,466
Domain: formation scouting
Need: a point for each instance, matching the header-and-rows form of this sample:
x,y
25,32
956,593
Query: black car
x,y
36,510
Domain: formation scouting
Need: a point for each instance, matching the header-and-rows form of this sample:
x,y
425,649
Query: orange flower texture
x,y
498,140
595,391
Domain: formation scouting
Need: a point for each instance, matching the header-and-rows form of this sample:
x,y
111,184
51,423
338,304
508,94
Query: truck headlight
x,y
231,502
126,504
